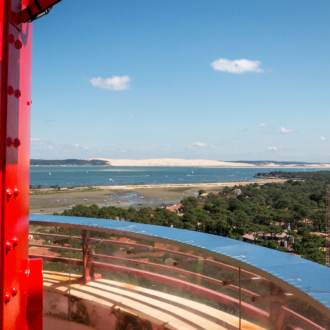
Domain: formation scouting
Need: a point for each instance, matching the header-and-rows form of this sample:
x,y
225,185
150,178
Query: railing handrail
x,y
212,262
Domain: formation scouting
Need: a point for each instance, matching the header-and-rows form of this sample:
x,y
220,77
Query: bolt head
x,y
11,90
9,246
9,193
18,44
14,292
15,241
9,142
17,142
7,298
11,39
18,93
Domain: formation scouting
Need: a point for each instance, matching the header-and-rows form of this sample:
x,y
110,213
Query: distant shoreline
x,y
317,166
160,186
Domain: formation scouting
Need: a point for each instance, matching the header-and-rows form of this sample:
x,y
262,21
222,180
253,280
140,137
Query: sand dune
x,y
173,162
200,163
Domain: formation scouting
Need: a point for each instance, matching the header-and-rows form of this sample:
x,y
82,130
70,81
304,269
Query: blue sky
x,y
222,80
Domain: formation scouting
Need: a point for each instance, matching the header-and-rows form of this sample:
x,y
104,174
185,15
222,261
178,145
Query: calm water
x,y
113,176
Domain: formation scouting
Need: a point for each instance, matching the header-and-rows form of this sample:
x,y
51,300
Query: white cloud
x,y
115,83
283,130
236,66
263,125
76,145
272,148
51,148
213,147
35,140
168,145
323,138
131,116
243,129
199,144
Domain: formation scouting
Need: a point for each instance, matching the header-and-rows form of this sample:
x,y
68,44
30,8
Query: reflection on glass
x,y
145,282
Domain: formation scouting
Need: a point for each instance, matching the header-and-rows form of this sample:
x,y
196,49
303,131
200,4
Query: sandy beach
x,y
48,200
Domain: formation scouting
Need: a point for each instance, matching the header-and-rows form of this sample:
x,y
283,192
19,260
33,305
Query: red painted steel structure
x,y
20,278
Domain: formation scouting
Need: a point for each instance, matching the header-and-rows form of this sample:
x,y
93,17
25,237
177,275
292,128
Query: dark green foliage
x,y
147,215
270,245
323,176
267,208
76,162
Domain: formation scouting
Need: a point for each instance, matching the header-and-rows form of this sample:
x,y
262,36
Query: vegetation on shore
x,y
68,162
323,176
296,207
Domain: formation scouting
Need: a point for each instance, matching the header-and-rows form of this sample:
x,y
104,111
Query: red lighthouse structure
x,y
21,286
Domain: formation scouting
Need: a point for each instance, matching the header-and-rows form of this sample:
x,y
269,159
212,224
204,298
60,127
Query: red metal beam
x,y
88,269
15,110
25,14
35,295
49,235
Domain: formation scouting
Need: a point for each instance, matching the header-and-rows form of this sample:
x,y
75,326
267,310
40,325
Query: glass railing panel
x,y
299,314
170,275
253,307
159,281
285,309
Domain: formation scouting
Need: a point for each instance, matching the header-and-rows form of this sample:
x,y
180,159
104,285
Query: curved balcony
x,y
109,274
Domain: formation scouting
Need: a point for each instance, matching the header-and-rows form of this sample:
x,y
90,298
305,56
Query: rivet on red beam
x,y
29,102
11,90
17,142
15,241
11,39
18,93
7,298
14,292
9,142
18,44
9,193
9,246
16,192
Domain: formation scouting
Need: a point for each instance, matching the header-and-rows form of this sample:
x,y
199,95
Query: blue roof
x,y
305,275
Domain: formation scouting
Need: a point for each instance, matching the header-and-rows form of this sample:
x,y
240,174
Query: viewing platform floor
x,y
105,304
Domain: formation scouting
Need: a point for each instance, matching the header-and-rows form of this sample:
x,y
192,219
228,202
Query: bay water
x,y
66,176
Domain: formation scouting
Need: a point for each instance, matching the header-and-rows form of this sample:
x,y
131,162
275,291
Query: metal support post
x,y
276,312
88,270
